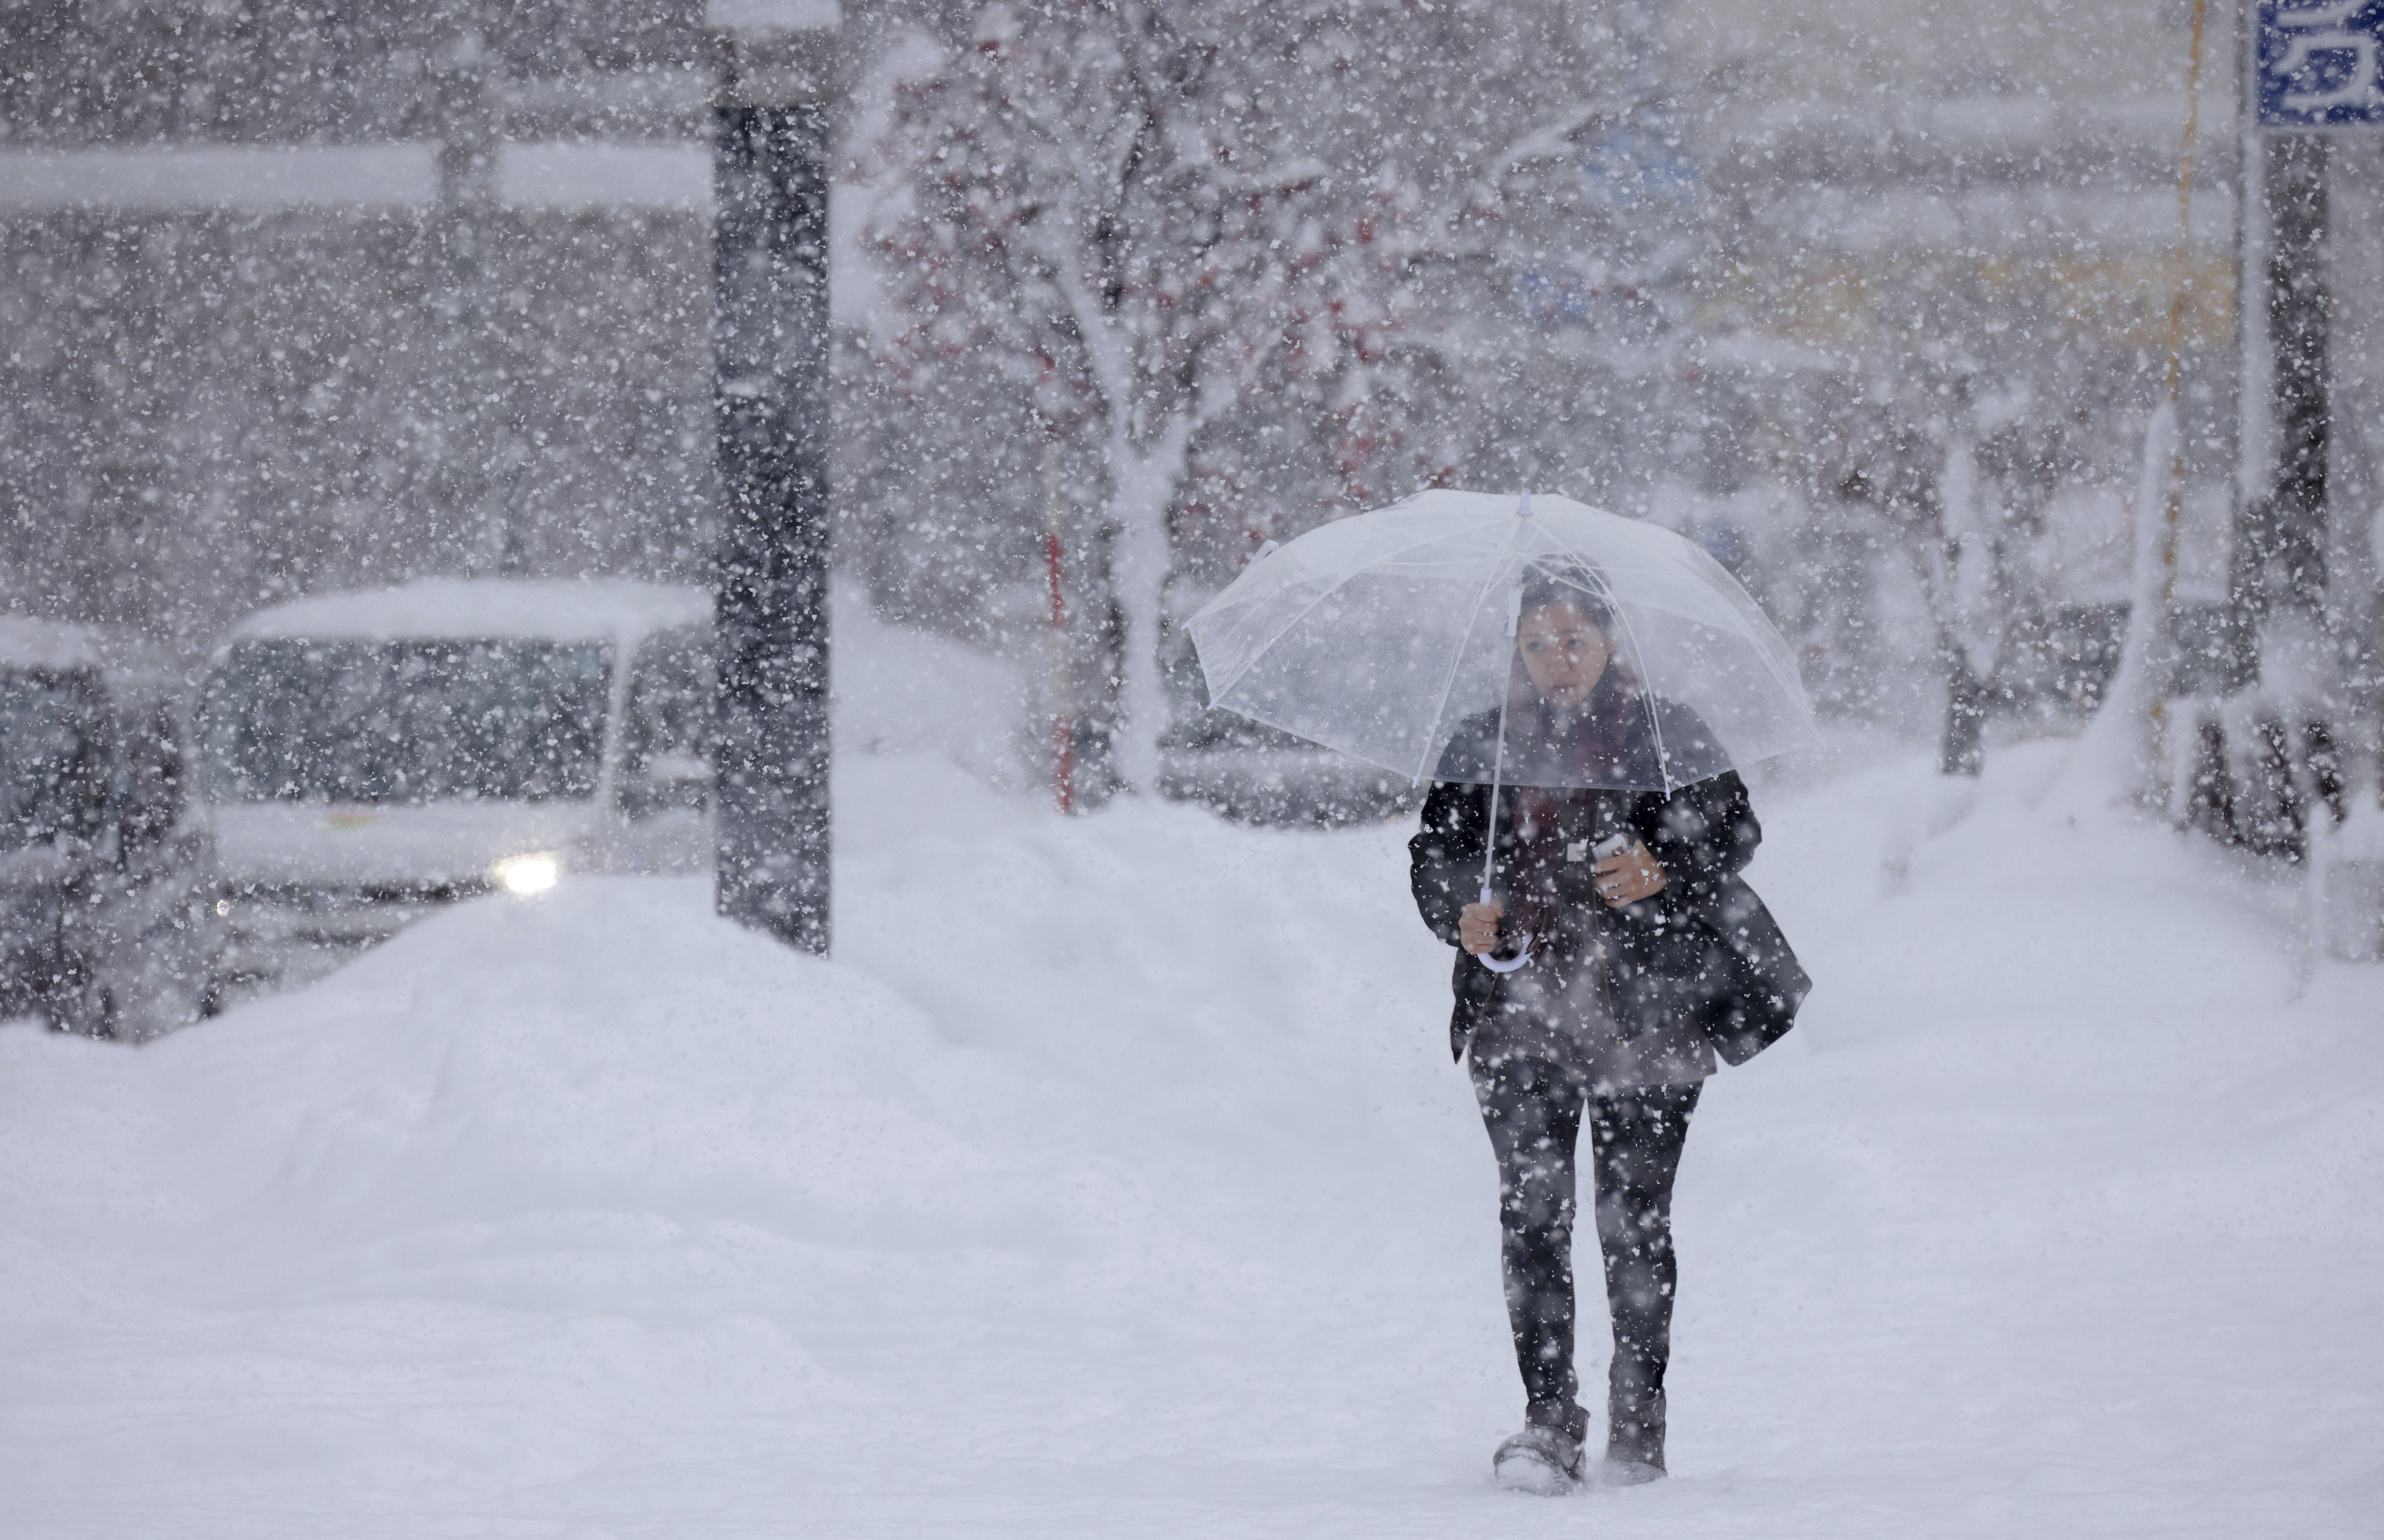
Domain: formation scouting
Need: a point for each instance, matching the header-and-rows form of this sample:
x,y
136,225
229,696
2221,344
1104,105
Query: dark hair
x,y
1576,585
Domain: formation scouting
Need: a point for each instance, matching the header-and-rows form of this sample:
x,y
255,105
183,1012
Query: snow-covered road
x,y
1114,1181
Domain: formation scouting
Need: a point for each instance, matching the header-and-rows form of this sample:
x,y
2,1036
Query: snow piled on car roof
x,y
562,610
26,642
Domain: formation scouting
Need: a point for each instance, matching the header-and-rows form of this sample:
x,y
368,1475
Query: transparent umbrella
x,y
1391,636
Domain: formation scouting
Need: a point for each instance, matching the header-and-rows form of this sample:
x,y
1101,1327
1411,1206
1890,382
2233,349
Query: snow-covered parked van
x,y
371,757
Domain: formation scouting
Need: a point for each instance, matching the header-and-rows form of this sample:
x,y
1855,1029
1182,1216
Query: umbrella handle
x,y
1497,770
1510,965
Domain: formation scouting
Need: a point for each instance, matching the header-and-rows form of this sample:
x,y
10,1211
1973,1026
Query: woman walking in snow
x,y
1627,951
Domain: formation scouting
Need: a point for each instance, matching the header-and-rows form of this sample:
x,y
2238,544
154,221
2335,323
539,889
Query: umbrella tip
x,y
1523,510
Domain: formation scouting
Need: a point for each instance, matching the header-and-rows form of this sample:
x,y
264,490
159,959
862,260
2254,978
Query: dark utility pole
x,y
2297,315
770,410
2285,539
2311,72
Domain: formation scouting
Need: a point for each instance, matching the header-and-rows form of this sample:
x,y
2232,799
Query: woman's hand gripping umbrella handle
x,y
1507,964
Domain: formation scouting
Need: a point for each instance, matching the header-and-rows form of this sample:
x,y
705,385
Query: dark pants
x,y
1533,1112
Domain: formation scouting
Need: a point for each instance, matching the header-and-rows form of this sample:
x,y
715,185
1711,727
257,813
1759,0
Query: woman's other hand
x,y
1477,927
1625,878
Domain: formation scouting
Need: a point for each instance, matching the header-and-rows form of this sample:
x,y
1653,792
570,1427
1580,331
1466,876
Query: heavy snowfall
x,y
420,1124
1113,1179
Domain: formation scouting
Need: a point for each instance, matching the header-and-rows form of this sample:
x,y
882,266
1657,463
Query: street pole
x,y
2317,70
471,379
2290,544
2314,74
771,125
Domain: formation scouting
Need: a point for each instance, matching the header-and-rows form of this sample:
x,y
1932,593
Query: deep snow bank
x,y
1114,1181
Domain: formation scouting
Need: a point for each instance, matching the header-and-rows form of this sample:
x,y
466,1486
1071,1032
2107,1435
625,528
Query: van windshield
x,y
50,772
507,719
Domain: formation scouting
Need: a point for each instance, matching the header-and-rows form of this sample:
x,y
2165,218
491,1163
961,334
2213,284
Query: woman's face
x,y
1564,653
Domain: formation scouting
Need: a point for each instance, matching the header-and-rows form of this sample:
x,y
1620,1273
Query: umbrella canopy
x,y
1390,636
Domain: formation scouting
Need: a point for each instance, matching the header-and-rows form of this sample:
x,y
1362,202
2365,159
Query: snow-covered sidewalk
x,y
1114,1181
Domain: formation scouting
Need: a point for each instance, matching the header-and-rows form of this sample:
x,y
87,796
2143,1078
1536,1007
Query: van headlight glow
x,y
527,873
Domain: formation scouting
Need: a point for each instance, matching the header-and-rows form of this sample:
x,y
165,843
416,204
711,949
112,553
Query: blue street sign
x,y
2318,63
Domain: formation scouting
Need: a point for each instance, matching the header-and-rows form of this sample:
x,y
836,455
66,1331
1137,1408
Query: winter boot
x,y
1545,1459
1634,1440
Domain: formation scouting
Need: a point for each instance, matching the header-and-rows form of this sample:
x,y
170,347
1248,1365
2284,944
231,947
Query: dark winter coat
x,y
1704,949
